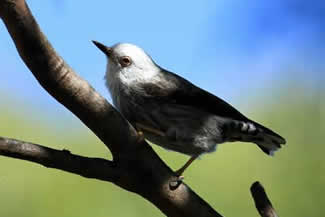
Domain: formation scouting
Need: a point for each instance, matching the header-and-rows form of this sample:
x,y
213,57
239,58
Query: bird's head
x,y
128,62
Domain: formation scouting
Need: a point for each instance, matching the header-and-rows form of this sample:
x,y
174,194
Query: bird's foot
x,y
175,182
180,178
179,173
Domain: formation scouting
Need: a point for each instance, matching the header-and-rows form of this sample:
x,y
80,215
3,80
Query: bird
x,y
172,112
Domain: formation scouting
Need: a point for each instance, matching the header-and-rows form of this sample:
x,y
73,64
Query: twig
x,y
262,202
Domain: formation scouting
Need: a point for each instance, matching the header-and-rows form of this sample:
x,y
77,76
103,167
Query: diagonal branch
x,y
87,167
262,202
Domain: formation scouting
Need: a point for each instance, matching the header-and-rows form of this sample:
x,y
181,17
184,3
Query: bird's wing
x,y
174,89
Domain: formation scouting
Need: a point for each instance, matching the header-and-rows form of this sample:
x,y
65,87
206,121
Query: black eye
x,y
125,61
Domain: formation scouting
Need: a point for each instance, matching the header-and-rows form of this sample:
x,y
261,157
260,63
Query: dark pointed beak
x,y
106,50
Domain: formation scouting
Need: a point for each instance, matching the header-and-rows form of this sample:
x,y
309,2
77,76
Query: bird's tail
x,y
250,131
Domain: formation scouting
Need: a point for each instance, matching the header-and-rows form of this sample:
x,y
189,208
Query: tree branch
x,y
87,167
145,173
262,202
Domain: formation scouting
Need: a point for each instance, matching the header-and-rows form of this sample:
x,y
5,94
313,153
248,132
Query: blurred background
x,y
264,57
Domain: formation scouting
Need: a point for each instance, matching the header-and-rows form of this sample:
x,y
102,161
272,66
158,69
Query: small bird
x,y
172,112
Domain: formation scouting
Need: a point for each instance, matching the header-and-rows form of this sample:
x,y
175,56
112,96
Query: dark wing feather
x,y
174,89
187,93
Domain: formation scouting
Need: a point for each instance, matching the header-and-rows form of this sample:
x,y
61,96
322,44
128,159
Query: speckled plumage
x,y
191,120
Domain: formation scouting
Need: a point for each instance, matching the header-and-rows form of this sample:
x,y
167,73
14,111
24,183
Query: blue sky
x,y
231,48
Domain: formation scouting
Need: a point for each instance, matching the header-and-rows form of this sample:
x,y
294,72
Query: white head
x,y
128,63
130,58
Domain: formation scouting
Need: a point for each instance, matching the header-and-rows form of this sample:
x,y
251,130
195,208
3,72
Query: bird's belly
x,y
189,146
186,130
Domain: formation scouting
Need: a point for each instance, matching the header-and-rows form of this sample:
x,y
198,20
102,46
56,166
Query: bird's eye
x,y
125,61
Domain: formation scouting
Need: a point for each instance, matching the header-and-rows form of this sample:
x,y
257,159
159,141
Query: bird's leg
x,y
183,168
141,127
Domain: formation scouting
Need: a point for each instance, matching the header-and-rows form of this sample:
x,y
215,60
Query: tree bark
x,y
87,167
262,202
135,166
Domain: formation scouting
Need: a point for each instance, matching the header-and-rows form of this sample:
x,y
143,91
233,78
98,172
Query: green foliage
x,y
294,178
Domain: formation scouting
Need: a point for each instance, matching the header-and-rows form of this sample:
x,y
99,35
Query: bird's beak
x,y
106,50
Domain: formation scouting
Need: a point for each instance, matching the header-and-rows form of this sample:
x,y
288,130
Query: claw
x,y
176,182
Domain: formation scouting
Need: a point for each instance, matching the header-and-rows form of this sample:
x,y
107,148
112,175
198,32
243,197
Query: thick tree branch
x,y
262,202
145,173
87,167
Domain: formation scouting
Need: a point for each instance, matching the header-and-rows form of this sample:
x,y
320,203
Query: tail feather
x,y
250,131
272,141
